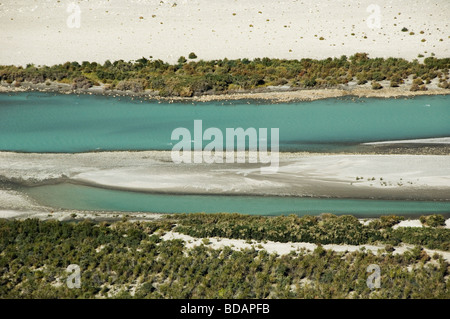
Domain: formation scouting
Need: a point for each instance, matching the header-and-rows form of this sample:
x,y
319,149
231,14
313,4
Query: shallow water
x,y
80,197
41,122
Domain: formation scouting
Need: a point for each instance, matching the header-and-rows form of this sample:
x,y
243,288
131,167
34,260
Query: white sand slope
x,y
38,32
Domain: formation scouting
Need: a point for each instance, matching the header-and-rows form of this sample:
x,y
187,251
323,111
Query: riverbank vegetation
x,y
129,259
324,229
189,78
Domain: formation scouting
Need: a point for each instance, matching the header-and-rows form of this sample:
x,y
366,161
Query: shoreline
x,y
272,95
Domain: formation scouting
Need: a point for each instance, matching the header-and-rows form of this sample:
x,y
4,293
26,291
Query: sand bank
x,y
417,177
440,140
274,95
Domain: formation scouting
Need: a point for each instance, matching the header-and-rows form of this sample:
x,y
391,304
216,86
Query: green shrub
x,y
376,85
434,220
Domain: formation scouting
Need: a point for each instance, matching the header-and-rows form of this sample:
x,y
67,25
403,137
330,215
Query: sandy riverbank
x,y
417,177
273,95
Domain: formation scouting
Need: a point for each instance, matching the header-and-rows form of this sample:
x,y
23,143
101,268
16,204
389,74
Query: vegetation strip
x,y
187,79
129,259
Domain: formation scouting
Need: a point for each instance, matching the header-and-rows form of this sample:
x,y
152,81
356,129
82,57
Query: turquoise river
x,y
57,123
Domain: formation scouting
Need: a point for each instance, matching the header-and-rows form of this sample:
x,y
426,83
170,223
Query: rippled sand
x,y
299,174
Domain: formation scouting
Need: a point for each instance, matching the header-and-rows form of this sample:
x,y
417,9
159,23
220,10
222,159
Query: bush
x,y
376,86
416,87
136,86
192,55
393,84
81,83
385,222
433,220
444,85
418,81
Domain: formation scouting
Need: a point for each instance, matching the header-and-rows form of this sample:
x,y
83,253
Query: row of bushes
x,y
324,229
221,76
125,260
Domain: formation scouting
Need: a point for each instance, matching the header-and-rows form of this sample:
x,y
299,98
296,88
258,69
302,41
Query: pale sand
x,y
285,248
274,96
317,94
44,213
299,174
440,140
37,31
409,223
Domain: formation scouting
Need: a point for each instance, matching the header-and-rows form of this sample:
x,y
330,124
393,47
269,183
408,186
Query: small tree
x,y
192,55
182,60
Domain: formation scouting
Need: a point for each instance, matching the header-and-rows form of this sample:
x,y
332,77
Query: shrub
x,y
376,85
81,82
434,220
444,85
385,222
416,87
418,81
404,29
394,84
192,55
136,85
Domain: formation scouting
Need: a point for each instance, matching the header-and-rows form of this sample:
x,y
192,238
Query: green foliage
x,y
376,85
326,229
220,76
433,238
192,55
432,220
385,221
129,260
134,85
